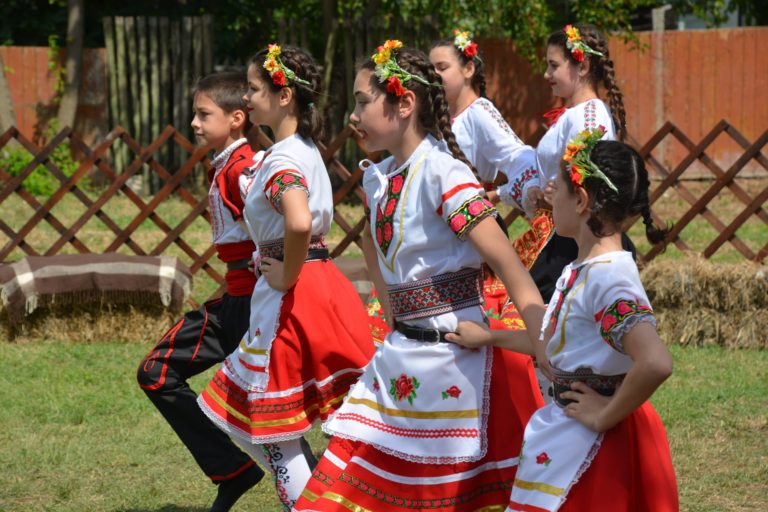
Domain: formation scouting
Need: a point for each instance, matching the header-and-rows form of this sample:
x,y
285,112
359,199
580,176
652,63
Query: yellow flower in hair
x,y
271,65
382,55
572,33
273,51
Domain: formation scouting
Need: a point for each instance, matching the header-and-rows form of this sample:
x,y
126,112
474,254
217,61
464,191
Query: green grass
x,y
77,434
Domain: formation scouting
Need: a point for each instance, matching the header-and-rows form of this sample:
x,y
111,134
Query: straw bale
x,y
696,283
90,323
700,327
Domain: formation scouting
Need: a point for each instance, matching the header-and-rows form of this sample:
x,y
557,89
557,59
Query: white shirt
x,y
584,116
294,162
225,229
430,220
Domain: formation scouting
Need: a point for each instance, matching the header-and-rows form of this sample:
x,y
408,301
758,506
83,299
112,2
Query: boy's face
x,y
211,124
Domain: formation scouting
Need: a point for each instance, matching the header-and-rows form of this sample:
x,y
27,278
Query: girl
x,y
600,445
481,132
308,336
491,146
578,61
429,425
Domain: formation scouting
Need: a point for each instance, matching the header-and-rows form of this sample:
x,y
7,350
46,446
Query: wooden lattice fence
x,y
200,256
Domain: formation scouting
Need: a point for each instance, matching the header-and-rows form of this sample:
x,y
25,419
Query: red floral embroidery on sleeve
x,y
280,183
466,216
617,317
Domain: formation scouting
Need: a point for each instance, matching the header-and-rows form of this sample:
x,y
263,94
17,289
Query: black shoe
x,y
231,490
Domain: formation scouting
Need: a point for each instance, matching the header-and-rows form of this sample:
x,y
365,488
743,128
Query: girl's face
x,y
455,75
260,101
564,207
375,118
561,73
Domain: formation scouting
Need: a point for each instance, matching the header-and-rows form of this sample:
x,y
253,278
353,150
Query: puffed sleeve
x,y
619,303
285,174
454,194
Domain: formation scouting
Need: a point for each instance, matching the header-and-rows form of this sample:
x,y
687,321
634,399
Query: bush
x,y
39,182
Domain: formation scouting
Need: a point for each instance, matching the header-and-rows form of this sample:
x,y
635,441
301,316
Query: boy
x,y
205,337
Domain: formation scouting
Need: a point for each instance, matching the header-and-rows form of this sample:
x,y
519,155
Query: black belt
x,y
238,264
312,254
421,334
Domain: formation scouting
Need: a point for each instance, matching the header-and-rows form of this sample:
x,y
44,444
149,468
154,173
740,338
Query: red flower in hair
x,y
470,50
278,77
578,55
395,87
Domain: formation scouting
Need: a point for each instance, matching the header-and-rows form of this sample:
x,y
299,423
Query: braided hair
x,y
433,115
301,63
478,78
626,170
601,69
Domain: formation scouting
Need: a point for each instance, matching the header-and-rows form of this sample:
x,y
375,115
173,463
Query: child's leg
x,y
291,464
197,342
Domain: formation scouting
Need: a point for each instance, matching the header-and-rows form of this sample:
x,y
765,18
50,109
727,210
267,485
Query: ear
x,y
469,69
584,67
285,96
582,200
407,104
237,118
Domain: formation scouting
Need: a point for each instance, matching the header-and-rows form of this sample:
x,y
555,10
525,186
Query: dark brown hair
x,y
626,170
433,115
226,89
300,62
601,69
478,78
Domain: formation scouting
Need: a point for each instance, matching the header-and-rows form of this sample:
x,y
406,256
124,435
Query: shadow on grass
x,y
165,508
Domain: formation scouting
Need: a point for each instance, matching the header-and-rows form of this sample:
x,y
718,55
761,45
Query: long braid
x,y
615,97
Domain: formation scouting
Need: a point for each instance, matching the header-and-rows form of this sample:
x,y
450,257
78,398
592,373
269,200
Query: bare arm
x,y
298,231
496,250
473,335
372,262
652,366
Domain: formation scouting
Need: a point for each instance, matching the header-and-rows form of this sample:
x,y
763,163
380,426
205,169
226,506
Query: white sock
x,y
288,464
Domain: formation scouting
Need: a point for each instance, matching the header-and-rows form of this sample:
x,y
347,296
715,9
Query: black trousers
x,y
198,341
559,252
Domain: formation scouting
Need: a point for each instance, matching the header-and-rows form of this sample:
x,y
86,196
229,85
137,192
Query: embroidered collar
x,y
220,159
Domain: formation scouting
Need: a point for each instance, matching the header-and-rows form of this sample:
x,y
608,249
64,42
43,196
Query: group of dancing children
x,y
477,396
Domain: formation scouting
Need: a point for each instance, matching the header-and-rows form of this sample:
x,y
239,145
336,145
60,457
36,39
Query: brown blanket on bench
x,y
38,281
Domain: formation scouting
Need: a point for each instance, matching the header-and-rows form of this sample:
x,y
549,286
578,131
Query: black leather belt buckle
x,y
421,334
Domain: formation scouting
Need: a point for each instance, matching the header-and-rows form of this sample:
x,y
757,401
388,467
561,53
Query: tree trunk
x,y
74,66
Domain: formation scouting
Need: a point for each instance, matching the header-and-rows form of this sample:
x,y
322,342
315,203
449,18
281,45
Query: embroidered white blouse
x,y
584,116
424,402
492,146
294,162
595,304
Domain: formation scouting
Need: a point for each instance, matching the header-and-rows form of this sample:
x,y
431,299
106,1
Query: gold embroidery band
x,y
468,413
538,486
270,423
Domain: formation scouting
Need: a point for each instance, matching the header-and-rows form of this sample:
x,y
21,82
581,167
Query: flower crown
x,y
389,71
463,41
578,153
577,47
279,73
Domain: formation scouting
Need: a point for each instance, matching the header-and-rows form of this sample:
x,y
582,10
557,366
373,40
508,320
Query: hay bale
x,y
701,303
90,323
698,283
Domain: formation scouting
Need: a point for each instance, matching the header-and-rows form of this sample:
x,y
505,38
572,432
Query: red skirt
x,y
322,344
353,475
632,471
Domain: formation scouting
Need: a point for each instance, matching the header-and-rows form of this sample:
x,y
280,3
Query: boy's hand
x,y
273,271
471,335
549,191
